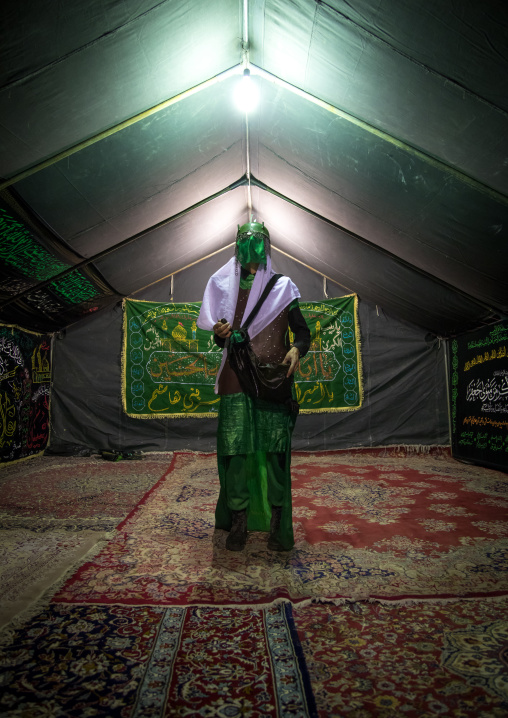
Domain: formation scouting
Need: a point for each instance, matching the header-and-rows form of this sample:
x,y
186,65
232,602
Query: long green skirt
x,y
254,462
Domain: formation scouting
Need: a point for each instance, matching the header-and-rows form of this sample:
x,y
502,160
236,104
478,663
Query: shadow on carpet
x,y
367,526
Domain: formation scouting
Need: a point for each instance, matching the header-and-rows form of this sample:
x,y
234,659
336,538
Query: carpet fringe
x,y
7,633
410,449
8,630
404,601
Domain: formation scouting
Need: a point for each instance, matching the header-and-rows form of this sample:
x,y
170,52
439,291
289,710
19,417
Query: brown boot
x,y
237,537
273,542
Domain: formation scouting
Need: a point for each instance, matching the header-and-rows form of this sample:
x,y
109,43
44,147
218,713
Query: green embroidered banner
x,y
330,375
30,255
169,365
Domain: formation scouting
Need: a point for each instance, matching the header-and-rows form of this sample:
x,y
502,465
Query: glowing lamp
x,y
246,93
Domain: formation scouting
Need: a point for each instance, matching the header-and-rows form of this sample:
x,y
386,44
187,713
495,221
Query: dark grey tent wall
x,y
403,372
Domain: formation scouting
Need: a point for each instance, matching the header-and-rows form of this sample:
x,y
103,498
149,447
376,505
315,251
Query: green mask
x,y
250,244
251,249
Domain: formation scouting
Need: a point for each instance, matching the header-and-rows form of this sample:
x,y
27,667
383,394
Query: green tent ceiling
x,y
378,154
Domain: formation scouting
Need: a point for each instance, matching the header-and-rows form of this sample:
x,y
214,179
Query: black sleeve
x,y
299,327
220,342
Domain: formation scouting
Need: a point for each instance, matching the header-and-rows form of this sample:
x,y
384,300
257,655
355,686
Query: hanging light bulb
x,y
246,93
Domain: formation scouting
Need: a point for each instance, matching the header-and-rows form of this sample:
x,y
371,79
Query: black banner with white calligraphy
x,y
479,396
25,380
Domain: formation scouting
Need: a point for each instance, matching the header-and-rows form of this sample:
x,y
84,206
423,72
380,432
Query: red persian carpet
x,y
419,661
155,662
74,493
357,660
367,526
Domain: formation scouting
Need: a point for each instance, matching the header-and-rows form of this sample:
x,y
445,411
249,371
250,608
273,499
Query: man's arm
x,y
299,327
301,332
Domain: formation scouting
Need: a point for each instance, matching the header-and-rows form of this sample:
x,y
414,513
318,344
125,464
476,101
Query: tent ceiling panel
x,y
414,208
142,174
195,187
463,42
173,247
415,169
72,70
446,263
340,55
375,276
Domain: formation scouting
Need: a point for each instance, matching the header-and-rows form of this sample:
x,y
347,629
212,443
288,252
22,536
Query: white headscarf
x,y
221,296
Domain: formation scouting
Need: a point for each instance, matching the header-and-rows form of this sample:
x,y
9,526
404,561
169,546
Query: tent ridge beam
x,y
381,134
119,126
114,248
428,69
372,245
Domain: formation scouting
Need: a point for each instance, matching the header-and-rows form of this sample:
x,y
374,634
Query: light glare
x,y
246,94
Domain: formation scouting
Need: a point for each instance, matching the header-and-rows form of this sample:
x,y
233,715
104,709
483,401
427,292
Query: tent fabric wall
x,y
404,380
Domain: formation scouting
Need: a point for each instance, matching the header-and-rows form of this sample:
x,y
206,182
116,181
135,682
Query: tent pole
x,y
447,380
228,246
246,65
248,175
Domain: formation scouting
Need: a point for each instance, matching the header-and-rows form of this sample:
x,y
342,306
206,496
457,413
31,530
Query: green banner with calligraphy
x,y
329,378
169,365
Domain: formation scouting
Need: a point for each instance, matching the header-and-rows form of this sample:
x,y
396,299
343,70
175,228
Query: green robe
x,y
254,463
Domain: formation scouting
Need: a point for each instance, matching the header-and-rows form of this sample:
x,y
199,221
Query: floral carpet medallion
x,y
366,526
480,654
151,662
418,661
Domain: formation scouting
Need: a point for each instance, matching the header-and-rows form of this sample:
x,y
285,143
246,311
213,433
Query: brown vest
x,y
270,345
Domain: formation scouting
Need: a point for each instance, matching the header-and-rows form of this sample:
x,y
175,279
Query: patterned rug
x,y
359,660
149,662
31,563
417,661
74,493
367,526
54,511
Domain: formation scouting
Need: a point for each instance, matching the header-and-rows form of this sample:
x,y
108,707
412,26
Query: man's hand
x,y
223,330
293,359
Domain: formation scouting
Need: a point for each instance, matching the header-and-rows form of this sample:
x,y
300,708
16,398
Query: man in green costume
x,y
254,436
